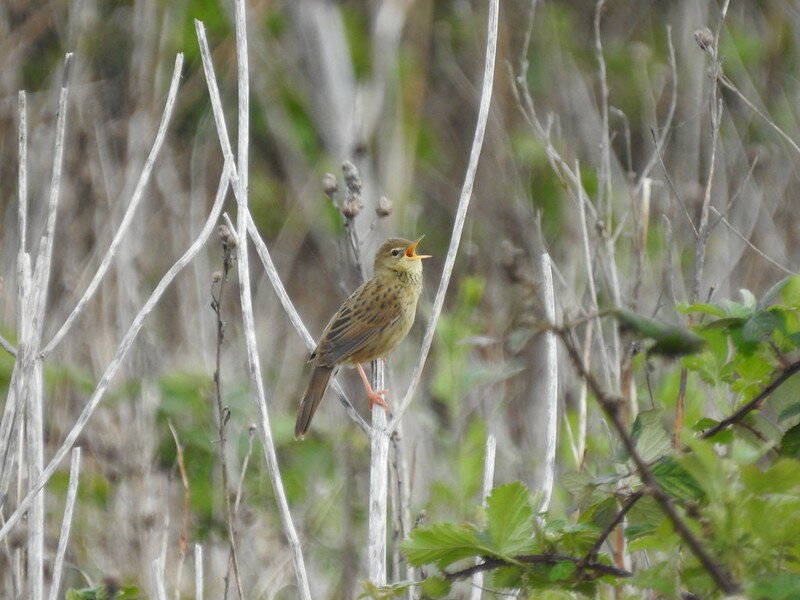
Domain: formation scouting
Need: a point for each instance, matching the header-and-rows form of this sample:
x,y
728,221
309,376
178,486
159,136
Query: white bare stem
x,y
551,393
119,356
378,487
461,213
133,205
22,176
198,572
488,483
66,522
158,579
32,371
253,360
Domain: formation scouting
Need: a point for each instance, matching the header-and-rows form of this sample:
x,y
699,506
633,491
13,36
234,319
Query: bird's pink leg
x,y
374,397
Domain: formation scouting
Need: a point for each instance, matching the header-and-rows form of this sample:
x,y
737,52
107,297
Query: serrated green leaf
x,y
675,480
561,571
509,517
725,323
706,309
436,587
790,442
761,325
442,544
778,586
649,435
790,292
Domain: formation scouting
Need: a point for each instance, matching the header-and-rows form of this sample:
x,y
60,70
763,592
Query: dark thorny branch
x,y
610,406
537,559
228,242
755,403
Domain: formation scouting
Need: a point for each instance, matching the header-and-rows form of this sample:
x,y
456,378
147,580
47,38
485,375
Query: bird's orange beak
x,y
411,251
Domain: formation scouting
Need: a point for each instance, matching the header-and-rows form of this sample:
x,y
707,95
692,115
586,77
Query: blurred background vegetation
x,y
394,87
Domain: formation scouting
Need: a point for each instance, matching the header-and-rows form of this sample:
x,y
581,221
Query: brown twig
x,y
591,554
223,413
755,403
610,406
537,559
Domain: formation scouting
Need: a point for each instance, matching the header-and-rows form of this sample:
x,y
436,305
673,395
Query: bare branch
x,y
119,356
461,213
750,244
66,522
551,394
133,205
488,482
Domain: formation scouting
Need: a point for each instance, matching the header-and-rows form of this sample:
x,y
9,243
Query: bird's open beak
x,y
411,251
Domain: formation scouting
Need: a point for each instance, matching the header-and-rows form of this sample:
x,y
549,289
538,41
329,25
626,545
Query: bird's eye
x,y
396,252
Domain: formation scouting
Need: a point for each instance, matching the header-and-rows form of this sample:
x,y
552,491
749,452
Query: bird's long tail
x,y
320,376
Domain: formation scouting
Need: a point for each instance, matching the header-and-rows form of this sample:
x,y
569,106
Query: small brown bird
x,y
369,325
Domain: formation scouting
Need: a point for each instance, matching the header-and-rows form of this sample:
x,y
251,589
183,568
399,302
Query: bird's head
x,y
399,255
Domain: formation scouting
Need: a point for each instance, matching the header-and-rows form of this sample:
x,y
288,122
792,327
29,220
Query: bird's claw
x,y
377,398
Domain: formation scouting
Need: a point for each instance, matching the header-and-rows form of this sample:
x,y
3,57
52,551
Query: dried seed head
x,y
352,196
226,237
384,208
352,181
216,277
329,185
705,39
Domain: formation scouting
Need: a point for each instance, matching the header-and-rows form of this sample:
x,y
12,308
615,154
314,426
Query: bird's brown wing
x,y
364,316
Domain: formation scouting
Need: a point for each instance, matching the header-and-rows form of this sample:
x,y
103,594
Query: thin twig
x,y
8,346
461,212
184,532
751,245
755,403
591,554
120,354
223,414
66,522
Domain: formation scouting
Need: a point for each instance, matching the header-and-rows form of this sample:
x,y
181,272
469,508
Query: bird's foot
x,y
376,398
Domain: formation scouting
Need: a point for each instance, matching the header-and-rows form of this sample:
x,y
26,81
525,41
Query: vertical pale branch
x,y
32,372
198,572
461,211
119,356
253,360
66,522
488,482
551,394
22,176
378,486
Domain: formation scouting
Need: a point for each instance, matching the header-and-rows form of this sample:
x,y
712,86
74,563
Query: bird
x,y
368,326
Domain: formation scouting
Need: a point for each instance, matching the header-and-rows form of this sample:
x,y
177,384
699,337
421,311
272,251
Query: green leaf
x,y
436,587
772,293
790,411
706,309
442,544
761,325
649,435
777,586
790,443
561,571
790,292
509,519
670,340
675,480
